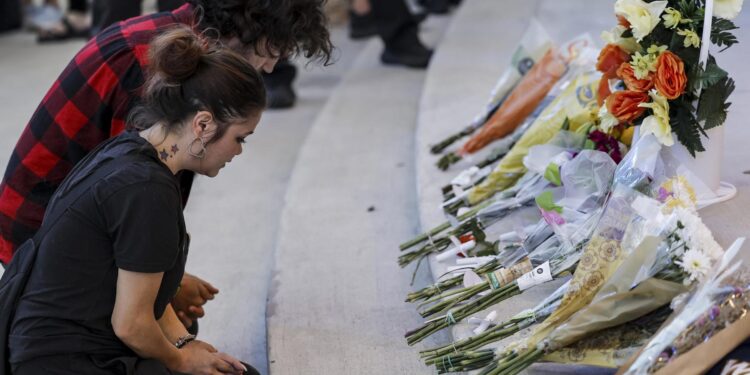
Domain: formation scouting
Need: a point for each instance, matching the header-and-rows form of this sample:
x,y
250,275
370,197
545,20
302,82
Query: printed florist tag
x,y
538,275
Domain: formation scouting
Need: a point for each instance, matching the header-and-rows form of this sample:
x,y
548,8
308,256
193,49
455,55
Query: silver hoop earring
x,y
201,153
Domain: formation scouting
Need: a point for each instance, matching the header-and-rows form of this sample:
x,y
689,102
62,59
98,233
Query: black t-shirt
x,y
132,220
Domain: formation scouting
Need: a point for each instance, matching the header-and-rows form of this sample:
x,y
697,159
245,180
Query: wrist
x,y
177,360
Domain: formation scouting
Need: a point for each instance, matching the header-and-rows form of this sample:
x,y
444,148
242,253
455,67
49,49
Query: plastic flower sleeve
x,y
574,103
617,301
700,301
640,165
534,44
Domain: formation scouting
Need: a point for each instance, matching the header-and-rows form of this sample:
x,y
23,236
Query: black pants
x,y
78,364
78,6
108,12
393,19
282,75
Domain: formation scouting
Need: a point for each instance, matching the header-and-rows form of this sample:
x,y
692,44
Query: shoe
x,y
65,30
361,27
412,59
406,49
439,7
280,96
43,17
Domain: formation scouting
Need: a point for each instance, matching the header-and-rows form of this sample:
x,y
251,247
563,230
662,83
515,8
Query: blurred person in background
x,y
91,99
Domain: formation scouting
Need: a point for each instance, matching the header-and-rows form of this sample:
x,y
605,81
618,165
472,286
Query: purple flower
x,y
552,217
664,194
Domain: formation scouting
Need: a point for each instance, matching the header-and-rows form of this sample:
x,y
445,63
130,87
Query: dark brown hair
x,y
188,74
287,26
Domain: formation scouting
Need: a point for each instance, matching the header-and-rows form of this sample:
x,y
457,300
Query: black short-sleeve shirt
x,y
132,220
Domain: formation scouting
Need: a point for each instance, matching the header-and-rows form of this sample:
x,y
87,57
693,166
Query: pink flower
x,y
552,217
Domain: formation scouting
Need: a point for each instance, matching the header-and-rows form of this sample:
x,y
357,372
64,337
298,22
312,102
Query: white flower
x,y
696,235
696,264
728,9
642,16
658,123
628,45
606,120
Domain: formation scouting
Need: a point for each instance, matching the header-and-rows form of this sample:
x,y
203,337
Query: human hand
x,y
193,294
203,345
197,360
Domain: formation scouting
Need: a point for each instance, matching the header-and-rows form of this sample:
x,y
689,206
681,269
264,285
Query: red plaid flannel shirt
x,y
88,104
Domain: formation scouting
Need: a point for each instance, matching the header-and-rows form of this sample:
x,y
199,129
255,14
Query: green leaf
x,y
552,174
546,202
713,105
686,127
721,33
699,78
565,124
628,33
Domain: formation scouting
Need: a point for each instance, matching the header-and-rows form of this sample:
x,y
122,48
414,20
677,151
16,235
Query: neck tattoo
x,y
164,155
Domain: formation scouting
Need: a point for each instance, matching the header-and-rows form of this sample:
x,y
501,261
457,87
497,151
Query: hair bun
x,y
176,54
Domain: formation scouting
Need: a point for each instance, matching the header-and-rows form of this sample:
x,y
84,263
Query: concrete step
x,y
336,306
234,218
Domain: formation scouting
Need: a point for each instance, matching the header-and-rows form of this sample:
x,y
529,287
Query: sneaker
x,y
44,17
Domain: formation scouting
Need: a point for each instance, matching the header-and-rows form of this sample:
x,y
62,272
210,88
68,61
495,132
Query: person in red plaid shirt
x,y
90,101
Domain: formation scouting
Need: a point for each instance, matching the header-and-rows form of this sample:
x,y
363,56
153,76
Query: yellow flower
x,y
642,16
673,18
728,9
677,192
691,38
642,65
645,64
656,50
658,123
628,45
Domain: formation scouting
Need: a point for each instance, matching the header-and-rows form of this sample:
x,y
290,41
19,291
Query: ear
x,y
203,125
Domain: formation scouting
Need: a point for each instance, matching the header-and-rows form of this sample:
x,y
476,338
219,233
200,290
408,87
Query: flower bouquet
x,y
720,299
576,106
649,272
534,44
656,67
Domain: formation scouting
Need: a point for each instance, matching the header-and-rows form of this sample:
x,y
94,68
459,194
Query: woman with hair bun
x,y
114,244
91,99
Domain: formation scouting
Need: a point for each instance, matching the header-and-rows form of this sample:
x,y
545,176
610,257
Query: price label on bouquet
x,y
505,276
538,275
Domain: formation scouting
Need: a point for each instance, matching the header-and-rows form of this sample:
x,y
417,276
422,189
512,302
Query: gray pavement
x,y
336,306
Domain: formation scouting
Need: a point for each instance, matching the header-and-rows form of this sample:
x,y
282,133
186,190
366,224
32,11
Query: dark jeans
x,y
393,19
282,75
78,364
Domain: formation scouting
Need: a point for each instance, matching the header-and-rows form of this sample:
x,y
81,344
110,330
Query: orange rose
x,y
670,78
610,58
626,73
624,104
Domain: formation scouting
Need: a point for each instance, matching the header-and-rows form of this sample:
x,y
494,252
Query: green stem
x,y
442,227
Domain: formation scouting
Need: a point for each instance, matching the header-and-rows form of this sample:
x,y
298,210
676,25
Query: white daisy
x,y
695,264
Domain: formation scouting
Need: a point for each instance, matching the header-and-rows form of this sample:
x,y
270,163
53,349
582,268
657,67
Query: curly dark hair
x,y
287,26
